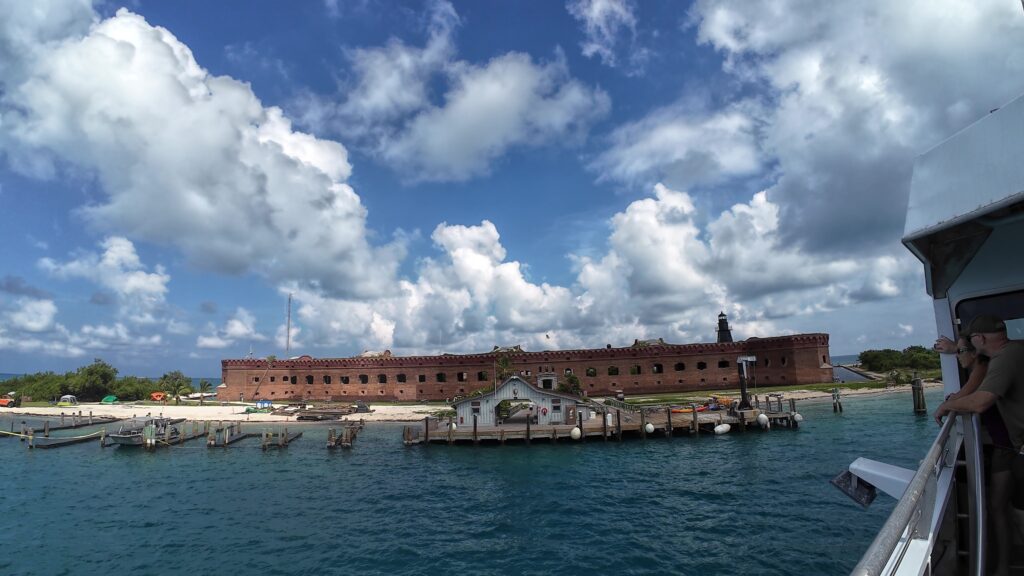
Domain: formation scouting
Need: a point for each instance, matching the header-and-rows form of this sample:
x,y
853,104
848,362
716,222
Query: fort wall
x,y
640,369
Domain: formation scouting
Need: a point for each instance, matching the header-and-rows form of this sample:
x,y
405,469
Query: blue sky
x,y
437,176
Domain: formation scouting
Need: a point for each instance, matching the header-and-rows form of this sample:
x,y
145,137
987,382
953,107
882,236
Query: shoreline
x,y
381,413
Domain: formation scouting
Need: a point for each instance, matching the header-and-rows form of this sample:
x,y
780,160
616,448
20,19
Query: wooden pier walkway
x,y
273,439
224,436
615,423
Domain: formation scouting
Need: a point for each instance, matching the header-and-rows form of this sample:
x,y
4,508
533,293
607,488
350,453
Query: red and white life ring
x,y
544,411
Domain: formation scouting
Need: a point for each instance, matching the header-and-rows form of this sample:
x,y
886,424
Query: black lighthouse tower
x,y
724,333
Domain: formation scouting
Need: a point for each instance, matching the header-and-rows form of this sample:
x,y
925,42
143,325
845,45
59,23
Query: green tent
x,y
109,400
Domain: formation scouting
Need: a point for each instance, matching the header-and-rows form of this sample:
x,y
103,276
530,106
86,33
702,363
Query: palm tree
x,y
175,384
204,389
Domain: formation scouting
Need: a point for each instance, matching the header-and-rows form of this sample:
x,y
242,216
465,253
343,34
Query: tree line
x,y
97,380
913,357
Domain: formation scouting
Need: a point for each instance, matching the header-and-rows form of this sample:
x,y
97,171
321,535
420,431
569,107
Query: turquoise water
x,y
753,503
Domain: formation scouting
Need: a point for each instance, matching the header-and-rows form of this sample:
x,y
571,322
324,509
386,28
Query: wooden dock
x,y
224,436
347,436
66,422
615,423
273,439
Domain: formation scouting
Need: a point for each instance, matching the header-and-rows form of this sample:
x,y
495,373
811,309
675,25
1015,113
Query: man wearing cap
x,y
1004,383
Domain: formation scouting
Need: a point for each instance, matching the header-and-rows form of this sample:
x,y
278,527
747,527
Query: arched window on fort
x,y
680,367
591,372
421,378
294,380
327,379
344,379
382,378
613,370
634,369
723,363
702,365
767,362
568,371
400,377
783,360
657,369
481,376
462,376
441,377
364,379
309,379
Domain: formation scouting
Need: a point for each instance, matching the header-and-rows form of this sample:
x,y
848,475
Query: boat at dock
x,y
133,432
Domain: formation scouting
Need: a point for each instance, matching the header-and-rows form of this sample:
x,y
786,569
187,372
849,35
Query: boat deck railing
x,y
912,523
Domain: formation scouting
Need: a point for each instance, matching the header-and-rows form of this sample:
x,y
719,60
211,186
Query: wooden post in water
x,y
61,418
837,403
426,430
331,440
604,426
743,421
917,387
583,435
31,438
528,430
90,417
476,440
695,425
46,429
103,438
668,416
643,424
618,423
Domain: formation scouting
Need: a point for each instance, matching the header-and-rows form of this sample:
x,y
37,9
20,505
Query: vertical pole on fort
x,y
668,415
643,425
527,431
476,440
618,423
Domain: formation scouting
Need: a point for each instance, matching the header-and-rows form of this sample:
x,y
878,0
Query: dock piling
x,y
668,416
917,387
643,425
618,423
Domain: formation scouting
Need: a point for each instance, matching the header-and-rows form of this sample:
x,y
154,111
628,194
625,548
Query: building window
x,y
295,380
723,363
309,379
547,383
344,379
273,378
481,376
364,379
440,377
556,405
272,393
462,390
401,391
422,378
462,376
657,369
783,360
327,379
679,367
613,370
380,392
382,378
476,407
702,366
256,379
767,362
421,390
824,359
400,377
634,369
567,372
591,372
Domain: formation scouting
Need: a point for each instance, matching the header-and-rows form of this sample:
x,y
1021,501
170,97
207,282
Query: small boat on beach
x,y
688,410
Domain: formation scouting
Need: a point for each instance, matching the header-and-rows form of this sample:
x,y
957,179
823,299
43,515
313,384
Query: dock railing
x,y
913,518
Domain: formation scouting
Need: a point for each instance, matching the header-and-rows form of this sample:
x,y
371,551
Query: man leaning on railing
x,y
1003,386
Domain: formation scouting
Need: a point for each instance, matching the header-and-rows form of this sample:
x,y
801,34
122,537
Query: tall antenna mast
x,y
288,331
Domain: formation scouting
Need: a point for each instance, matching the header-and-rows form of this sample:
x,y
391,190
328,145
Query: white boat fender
x,y
649,428
722,429
762,419
798,418
575,433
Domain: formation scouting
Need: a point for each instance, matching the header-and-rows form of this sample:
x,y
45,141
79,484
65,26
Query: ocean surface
x,y
742,503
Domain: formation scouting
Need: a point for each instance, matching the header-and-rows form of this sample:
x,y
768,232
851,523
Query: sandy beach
x,y
381,412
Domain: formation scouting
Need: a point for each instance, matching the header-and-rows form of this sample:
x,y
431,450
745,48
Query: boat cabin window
x,y
1008,306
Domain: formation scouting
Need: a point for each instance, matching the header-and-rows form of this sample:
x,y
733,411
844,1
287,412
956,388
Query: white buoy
x,y
575,433
453,426
798,418
762,420
649,428
722,429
